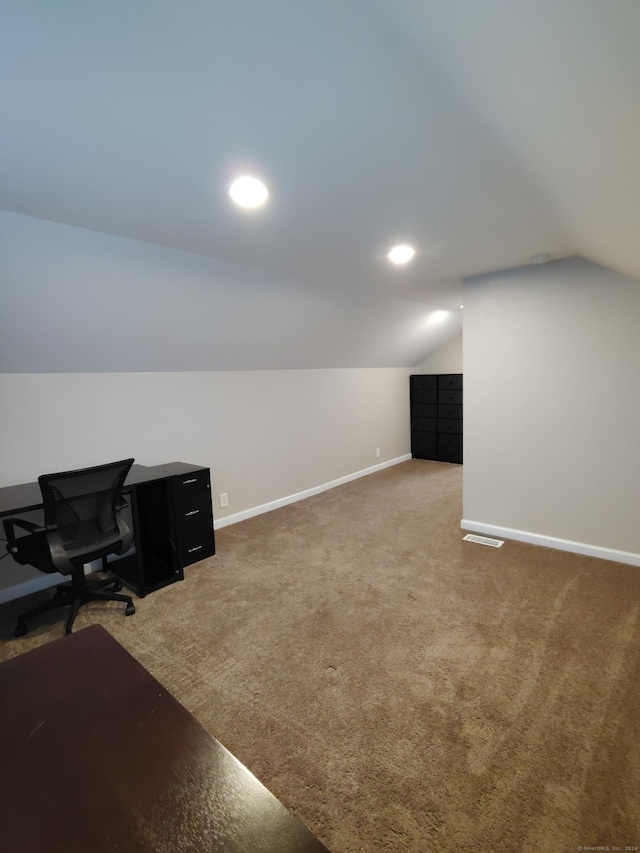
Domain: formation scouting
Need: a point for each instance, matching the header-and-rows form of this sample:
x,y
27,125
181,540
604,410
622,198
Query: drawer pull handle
x,y
193,512
197,548
185,482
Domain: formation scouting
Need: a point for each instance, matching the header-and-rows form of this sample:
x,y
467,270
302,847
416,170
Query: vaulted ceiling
x,y
482,132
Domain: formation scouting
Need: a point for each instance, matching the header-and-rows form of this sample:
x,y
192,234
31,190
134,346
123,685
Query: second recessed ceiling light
x,y
401,254
248,192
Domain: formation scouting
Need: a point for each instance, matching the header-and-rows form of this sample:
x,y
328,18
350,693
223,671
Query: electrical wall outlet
x,y
224,499
377,453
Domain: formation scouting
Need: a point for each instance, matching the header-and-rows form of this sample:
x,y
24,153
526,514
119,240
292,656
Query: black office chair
x,y
83,522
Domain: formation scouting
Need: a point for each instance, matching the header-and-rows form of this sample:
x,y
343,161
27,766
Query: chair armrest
x,y
10,524
58,555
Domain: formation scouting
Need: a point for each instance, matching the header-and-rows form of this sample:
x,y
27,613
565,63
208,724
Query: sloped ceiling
x,y
480,131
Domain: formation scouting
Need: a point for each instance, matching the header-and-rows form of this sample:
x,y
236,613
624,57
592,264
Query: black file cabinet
x,y
436,416
193,517
172,521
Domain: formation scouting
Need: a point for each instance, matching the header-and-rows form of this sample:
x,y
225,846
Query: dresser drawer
x,y
430,395
449,380
424,382
424,411
424,424
450,411
424,445
447,397
445,425
450,454
449,439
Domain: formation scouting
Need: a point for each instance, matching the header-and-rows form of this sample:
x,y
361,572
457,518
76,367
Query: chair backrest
x,y
82,505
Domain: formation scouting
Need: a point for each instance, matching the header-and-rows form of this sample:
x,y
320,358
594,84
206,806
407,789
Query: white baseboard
x,y
307,493
552,542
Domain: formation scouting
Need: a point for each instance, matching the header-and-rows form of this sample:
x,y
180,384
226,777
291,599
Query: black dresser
x,y
436,416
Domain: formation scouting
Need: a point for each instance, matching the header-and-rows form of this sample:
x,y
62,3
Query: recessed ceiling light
x,y
248,192
401,254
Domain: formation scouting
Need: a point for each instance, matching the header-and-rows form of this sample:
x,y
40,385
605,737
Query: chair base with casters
x,y
75,593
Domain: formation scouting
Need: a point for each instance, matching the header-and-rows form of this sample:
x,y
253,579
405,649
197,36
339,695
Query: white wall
x,y
552,410
264,434
77,300
267,436
446,359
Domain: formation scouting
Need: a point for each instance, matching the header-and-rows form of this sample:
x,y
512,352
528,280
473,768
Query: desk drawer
x,y
192,548
191,491
194,524
195,516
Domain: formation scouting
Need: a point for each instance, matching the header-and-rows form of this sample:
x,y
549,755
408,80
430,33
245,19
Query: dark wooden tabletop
x,y
95,755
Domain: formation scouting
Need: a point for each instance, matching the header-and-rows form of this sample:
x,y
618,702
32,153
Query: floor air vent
x,y
484,540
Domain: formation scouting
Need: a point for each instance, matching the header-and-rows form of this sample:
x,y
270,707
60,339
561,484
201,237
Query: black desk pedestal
x,y
173,524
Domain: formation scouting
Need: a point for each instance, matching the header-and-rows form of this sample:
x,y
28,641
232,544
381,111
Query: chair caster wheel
x,y
21,630
117,586
131,609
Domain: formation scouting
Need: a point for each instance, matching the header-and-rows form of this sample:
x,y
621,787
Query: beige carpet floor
x,y
400,689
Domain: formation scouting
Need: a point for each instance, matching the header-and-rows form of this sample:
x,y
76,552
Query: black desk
x,y
97,756
171,515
